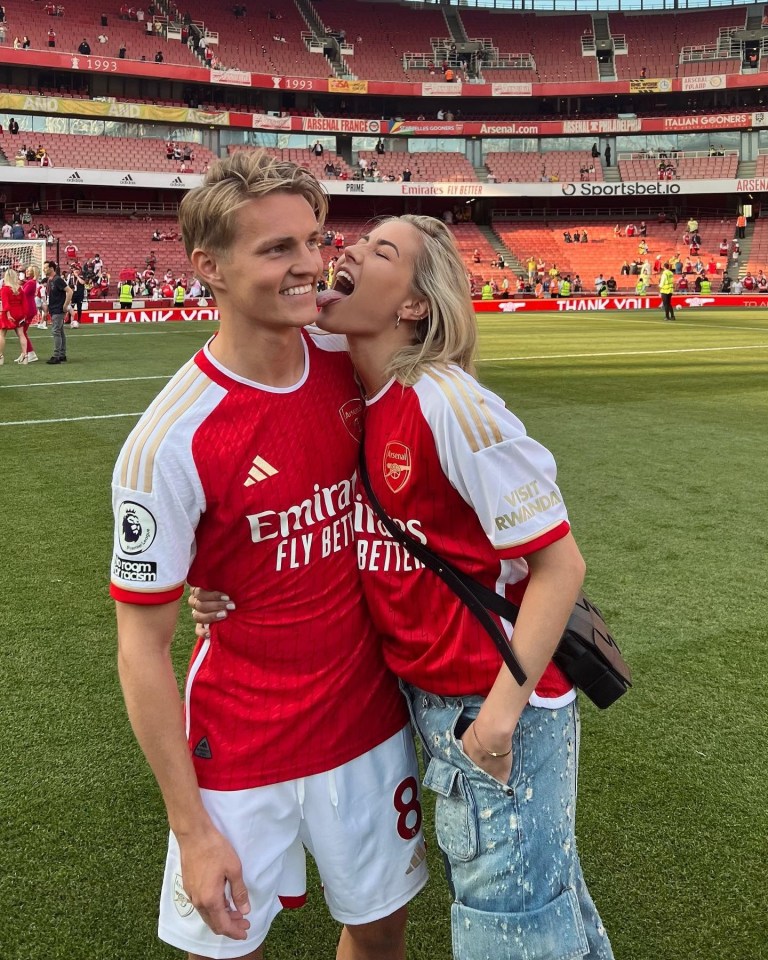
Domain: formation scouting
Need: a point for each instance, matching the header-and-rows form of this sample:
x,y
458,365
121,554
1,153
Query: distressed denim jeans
x,y
510,849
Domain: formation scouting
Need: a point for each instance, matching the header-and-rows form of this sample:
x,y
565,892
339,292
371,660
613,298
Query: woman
x,y
29,291
78,296
451,464
12,312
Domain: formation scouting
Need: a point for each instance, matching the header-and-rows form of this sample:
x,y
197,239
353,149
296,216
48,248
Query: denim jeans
x,y
510,849
59,337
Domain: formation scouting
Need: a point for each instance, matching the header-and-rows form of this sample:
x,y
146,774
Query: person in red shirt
x,y
293,733
71,250
749,282
457,470
12,312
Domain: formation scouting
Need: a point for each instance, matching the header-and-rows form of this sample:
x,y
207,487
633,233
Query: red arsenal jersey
x,y
248,489
452,465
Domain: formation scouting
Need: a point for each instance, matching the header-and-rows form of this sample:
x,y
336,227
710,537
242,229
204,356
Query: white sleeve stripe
x,y
142,459
141,426
464,399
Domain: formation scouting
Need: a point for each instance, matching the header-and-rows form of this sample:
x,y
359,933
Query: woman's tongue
x,y
326,297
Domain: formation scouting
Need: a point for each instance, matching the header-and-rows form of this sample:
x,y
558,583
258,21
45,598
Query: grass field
x,y
660,435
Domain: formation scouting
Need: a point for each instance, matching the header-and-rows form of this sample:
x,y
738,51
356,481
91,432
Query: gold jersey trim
x,y
464,397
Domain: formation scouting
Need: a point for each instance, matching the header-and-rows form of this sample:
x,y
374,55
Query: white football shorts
x,y
361,822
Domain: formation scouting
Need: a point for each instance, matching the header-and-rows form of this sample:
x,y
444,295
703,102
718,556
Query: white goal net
x,y
20,254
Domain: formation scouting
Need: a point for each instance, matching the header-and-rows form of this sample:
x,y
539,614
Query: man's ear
x,y
206,267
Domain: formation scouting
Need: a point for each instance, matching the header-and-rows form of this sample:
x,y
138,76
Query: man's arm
x,y
154,706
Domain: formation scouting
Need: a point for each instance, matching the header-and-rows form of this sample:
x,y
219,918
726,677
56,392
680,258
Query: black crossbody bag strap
x,y
477,597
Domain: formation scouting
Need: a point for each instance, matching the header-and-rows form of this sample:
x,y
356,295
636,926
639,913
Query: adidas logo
x,y
74,178
177,182
203,750
259,471
128,180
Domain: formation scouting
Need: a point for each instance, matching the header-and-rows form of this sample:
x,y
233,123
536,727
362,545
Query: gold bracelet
x,y
489,752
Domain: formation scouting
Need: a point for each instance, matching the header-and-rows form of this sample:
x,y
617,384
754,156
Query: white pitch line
x,y
66,383
102,416
625,353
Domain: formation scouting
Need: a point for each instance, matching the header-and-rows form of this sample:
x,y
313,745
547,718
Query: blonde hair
x,y
207,213
11,279
32,271
448,331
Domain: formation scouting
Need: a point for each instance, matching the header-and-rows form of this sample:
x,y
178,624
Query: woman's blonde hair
x,y
32,271
11,279
448,331
207,213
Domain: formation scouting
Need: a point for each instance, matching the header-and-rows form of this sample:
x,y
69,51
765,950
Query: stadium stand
x,y
386,34
565,165
688,166
82,20
248,42
450,167
122,242
553,41
105,153
605,252
304,157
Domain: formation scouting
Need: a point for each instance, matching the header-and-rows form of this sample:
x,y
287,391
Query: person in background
x,y
666,289
59,297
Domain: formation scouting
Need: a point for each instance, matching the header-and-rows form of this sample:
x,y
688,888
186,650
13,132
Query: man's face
x,y
268,276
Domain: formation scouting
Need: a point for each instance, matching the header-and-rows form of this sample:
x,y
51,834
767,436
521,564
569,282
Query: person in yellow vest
x,y
565,287
706,285
179,294
487,292
642,284
126,294
666,286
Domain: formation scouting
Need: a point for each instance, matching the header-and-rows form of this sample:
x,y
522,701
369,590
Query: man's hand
x,y
208,864
500,768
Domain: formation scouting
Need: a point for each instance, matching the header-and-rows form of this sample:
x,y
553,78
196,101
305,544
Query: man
x,y
599,283
71,250
240,475
179,294
84,48
59,297
487,290
126,294
666,287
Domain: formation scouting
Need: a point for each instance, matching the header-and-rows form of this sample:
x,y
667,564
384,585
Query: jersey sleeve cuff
x,y
150,598
538,542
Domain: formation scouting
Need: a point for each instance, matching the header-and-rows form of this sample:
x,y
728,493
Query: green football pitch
x,y
660,434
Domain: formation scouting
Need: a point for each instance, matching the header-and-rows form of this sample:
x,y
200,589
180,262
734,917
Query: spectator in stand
x,y
51,37
20,160
682,283
6,230
45,160
84,48
17,232
611,284
71,251
625,269
749,282
316,149
380,148
607,154
631,230
567,236
121,52
338,241
25,43
762,282
741,227
102,38
159,57
737,287
407,175
693,225
584,236
724,247
13,127
643,73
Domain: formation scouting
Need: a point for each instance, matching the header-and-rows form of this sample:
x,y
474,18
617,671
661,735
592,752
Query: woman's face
x,y
373,282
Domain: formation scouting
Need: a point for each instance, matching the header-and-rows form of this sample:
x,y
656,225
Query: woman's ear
x,y
415,308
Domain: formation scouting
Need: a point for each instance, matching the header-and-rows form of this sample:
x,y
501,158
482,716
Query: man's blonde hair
x,y
207,213
448,331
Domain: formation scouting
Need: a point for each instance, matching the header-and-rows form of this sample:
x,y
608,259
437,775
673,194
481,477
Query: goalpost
x,y
20,254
